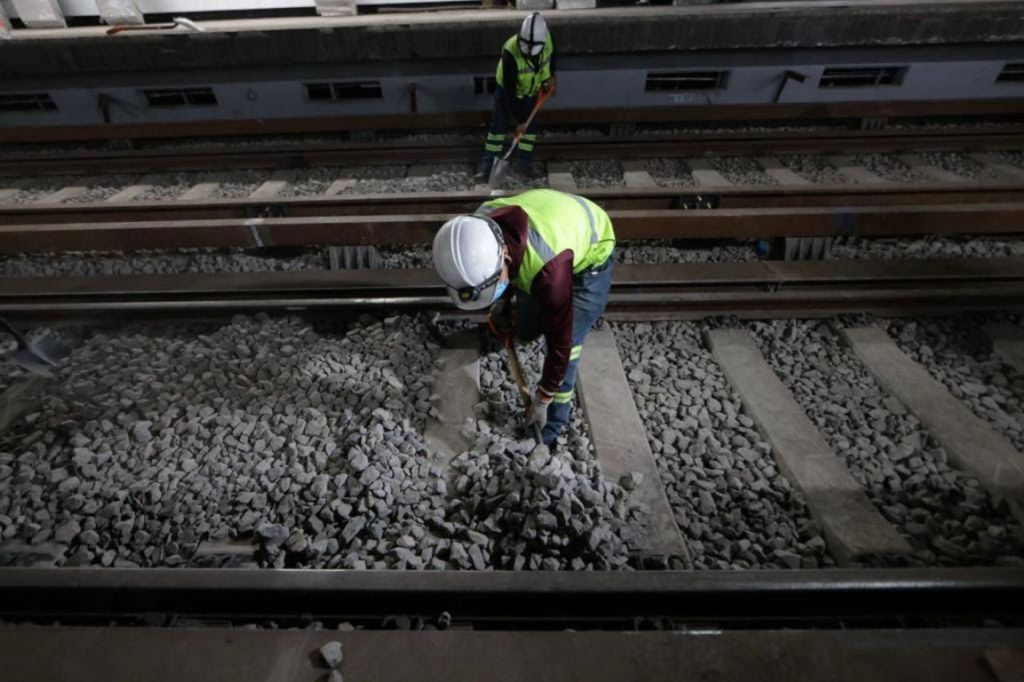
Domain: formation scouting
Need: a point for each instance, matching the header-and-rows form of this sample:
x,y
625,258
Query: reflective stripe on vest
x,y
559,222
530,78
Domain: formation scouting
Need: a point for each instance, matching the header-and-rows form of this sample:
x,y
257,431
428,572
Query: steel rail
x,y
220,157
864,221
423,281
661,198
681,291
70,594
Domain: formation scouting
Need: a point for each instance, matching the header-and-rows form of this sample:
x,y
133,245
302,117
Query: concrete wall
x,y
87,8
447,85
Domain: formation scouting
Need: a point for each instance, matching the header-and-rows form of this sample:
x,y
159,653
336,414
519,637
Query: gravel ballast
x,y
947,517
814,168
733,506
209,261
153,442
741,171
961,164
307,445
545,509
955,354
927,247
597,173
93,263
888,167
670,172
446,177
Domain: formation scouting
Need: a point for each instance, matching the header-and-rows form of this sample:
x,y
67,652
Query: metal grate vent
x,y
1011,73
675,81
183,97
328,92
485,85
862,77
27,102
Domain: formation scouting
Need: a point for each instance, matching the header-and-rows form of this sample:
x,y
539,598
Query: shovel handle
x,y
22,343
517,370
524,391
536,107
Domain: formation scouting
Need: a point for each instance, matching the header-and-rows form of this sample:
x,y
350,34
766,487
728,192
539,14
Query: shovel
x,y
517,374
500,168
39,357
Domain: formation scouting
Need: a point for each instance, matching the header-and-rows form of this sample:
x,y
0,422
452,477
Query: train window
x,y
194,97
1011,73
485,85
862,76
27,102
685,80
348,90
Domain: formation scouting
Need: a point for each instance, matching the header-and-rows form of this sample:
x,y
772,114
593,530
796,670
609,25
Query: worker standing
x,y
525,69
556,252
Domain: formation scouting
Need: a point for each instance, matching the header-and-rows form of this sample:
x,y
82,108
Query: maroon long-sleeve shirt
x,y
551,289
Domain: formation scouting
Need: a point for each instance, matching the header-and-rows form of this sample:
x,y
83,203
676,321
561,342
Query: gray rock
x,y
67,531
331,654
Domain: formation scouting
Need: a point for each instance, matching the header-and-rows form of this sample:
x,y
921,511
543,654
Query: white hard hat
x,y
532,35
468,255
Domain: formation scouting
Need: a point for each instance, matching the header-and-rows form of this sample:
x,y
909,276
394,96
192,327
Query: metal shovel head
x,y
41,356
498,172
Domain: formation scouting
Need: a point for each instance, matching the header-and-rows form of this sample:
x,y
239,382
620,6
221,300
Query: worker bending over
x,y
556,251
526,68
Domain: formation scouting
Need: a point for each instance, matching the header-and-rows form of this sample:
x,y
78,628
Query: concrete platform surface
x,y
91,654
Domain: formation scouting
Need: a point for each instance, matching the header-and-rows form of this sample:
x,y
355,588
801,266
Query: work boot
x,y
483,172
527,171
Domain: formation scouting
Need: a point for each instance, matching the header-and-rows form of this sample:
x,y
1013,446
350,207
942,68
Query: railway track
x,y
626,198
840,514
633,146
913,609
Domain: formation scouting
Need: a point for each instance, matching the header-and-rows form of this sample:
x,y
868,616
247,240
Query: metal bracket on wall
x,y
788,76
412,98
697,202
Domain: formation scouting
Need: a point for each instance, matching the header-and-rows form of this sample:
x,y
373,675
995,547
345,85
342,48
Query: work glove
x,y
501,318
548,86
521,129
537,412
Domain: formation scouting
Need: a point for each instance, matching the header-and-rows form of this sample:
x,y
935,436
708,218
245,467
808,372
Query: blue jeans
x,y
501,121
590,291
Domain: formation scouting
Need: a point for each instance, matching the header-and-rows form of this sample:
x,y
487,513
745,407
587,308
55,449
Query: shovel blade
x,y
40,357
498,172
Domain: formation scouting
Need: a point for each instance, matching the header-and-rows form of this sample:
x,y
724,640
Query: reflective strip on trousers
x,y
562,398
575,353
